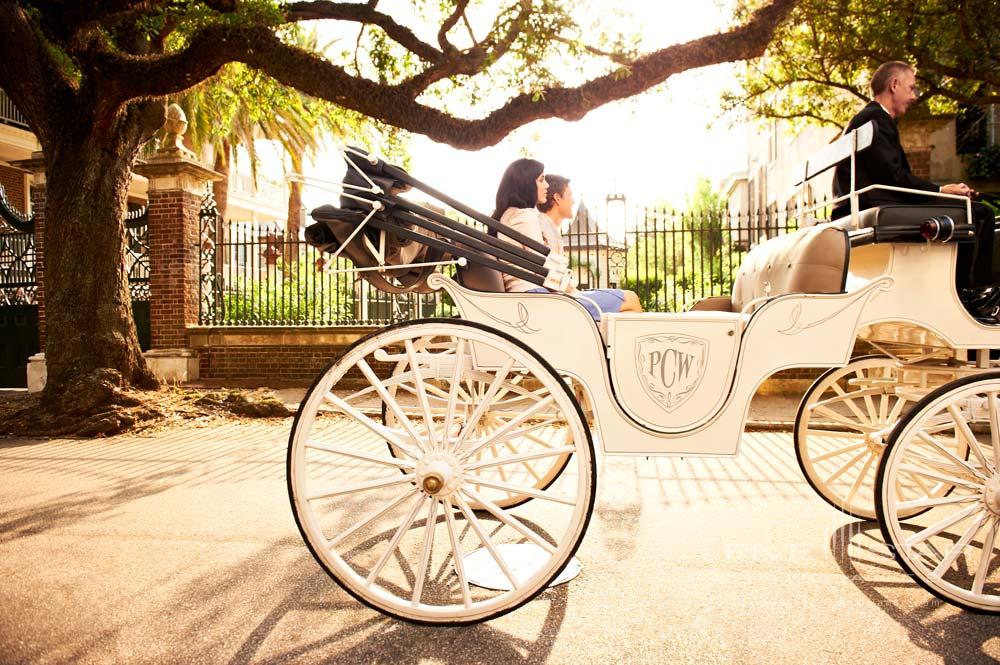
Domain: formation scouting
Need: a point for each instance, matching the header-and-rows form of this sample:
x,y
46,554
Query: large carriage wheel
x,y
398,542
840,429
952,548
514,393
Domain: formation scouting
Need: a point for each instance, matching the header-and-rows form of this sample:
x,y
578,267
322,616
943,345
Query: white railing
x,y
9,114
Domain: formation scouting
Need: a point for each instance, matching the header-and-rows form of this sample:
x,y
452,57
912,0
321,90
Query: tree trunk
x,y
87,301
294,202
220,188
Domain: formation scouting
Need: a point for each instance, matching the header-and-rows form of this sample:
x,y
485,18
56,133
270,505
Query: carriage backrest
x,y
810,260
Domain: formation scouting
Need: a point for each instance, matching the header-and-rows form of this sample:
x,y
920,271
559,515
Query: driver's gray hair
x,y
885,73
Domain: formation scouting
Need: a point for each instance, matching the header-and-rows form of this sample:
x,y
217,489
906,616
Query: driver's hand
x,y
958,189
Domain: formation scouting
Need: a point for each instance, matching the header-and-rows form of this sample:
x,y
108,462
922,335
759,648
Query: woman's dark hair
x,y
518,188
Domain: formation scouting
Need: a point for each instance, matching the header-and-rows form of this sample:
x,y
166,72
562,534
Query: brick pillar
x,y
39,194
177,184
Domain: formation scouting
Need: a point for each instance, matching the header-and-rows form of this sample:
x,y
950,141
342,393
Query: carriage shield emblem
x,y
670,367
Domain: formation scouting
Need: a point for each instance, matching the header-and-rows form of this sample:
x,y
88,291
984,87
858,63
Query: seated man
x,y
894,89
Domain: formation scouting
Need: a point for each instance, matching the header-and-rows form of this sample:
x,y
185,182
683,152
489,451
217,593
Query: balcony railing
x,y
9,114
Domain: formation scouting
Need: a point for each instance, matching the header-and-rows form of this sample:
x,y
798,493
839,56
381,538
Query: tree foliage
x,y
817,67
92,77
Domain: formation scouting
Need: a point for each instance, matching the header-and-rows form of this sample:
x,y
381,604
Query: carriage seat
x,y
810,260
899,216
480,278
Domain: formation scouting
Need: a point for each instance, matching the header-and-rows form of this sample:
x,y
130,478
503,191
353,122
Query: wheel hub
x,y
439,473
991,494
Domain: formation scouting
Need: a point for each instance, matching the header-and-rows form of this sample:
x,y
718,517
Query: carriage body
x,y
489,420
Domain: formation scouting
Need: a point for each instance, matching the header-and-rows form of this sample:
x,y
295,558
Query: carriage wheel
x,y
952,548
840,430
513,394
398,542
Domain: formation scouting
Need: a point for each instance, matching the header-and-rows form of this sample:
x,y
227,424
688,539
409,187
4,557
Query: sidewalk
x,y
180,547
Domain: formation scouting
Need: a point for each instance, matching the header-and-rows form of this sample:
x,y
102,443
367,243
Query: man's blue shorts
x,y
608,301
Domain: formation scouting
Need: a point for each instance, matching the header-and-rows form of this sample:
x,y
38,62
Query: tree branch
x,y
449,23
358,13
259,47
30,75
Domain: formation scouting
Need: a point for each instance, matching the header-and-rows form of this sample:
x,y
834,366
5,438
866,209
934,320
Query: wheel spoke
x,y
989,543
356,454
966,431
969,534
854,460
369,518
848,402
914,471
510,424
836,453
869,403
540,454
510,520
861,478
375,428
955,459
994,405
937,528
527,467
485,539
837,418
394,543
364,487
425,553
389,401
516,490
456,553
453,392
418,380
484,403
930,502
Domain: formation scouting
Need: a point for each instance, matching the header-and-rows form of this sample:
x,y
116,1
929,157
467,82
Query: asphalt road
x,y
181,548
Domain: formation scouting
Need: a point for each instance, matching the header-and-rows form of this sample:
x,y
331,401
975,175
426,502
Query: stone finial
x,y
174,127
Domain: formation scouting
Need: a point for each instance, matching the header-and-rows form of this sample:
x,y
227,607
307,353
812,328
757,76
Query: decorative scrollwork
x,y
17,269
210,282
15,218
137,260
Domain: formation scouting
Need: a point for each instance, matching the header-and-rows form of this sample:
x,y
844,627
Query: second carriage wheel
x,y
841,427
515,393
401,531
953,548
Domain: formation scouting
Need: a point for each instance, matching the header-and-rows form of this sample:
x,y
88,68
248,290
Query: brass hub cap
x,y
439,473
991,494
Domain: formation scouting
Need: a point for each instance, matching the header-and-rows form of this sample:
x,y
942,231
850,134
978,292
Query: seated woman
x,y
523,187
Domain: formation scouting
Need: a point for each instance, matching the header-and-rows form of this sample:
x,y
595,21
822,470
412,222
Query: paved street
x,y
180,547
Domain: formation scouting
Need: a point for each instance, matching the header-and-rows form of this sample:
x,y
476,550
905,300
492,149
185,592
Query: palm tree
x,y
240,105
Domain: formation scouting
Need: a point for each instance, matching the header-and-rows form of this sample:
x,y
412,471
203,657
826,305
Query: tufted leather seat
x,y
810,260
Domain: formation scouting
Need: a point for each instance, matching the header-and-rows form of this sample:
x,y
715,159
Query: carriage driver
x,y
894,89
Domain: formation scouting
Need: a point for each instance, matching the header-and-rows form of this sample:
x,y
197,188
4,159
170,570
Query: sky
x,y
651,148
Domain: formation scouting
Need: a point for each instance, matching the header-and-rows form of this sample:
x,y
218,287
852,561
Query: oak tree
x,y
91,78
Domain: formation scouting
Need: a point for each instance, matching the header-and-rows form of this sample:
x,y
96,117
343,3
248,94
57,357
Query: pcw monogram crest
x,y
670,367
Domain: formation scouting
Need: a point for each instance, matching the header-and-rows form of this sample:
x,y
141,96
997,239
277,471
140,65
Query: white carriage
x,y
470,442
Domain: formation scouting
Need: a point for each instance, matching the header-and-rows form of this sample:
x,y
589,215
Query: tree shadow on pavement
x,y
957,636
299,614
72,508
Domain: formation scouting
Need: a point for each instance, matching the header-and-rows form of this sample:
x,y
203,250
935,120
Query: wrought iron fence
x,y
674,258
254,275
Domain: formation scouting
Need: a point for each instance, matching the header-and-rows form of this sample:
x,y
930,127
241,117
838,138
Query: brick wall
x,y
13,184
920,162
